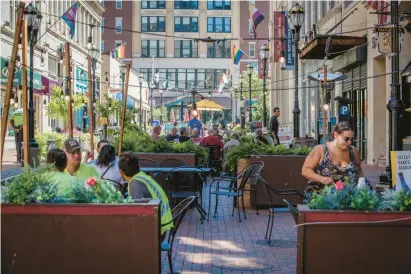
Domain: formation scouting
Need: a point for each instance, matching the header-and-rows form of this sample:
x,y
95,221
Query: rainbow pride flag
x,y
237,55
256,16
119,52
70,18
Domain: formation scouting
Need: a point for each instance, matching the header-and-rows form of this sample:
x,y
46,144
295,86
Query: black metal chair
x,y
235,192
179,212
258,168
143,162
191,187
293,210
271,209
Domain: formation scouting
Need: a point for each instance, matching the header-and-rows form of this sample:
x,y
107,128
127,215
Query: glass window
x,y
144,25
52,64
153,24
250,27
102,46
118,43
181,78
219,24
144,48
219,5
153,4
186,5
201,76
185,49
185,24
191,78
150,48
119,25
171,78
251,49
119,4
219,50
102,25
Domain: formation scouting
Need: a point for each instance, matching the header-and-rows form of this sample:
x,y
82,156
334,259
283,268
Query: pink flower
x,y
339,185
91,181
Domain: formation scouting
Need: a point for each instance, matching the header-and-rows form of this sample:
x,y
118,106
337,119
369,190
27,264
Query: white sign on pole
x,y
401,170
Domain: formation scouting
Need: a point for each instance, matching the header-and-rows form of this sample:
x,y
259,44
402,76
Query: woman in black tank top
x,y
337,160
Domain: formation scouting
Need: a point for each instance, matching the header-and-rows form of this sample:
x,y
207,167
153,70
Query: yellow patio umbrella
x,y
207,105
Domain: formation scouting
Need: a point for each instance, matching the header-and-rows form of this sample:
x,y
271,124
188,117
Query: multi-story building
x,y
368,73
117,26
48,63
165,40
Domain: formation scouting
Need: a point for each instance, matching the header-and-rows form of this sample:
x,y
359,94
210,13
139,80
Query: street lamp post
x,y
264,51
93,52
152,87
140,80
296,19
242,121
33,18
161,104
250,69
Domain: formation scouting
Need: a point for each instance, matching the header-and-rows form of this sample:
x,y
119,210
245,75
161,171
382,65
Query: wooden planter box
x,y
80,238
188,158
280,172
354,242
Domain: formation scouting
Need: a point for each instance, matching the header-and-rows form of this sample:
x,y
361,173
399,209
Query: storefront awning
x,y
315,49
174,103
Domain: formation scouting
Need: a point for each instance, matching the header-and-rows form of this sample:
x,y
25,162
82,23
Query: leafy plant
x,y
42,139
110,108
396,201
189,147
57,108
30,187
106,193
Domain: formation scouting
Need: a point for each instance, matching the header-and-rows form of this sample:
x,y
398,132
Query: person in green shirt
x,y
57,159
74,165
16,122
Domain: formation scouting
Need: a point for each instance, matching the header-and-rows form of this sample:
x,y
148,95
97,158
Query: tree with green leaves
x,y
58,106
256,92
110,108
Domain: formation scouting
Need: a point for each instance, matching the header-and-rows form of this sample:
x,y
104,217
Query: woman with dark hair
x,y
106,164
57,160
334,161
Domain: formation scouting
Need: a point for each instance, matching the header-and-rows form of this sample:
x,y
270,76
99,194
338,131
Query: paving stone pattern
x,y
224,245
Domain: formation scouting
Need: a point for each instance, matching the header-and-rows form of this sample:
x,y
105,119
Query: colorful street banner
x,y
256,16
119,52
289,46
401,170
5,73
279,33
70,18
237,55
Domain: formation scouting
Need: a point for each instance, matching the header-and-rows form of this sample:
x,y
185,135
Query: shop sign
x,y
5,73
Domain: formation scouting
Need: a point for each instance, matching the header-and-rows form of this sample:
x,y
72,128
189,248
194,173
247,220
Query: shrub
x,y
42,141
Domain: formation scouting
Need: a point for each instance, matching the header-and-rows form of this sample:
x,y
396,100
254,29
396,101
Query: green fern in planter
x,y
30,187
396,201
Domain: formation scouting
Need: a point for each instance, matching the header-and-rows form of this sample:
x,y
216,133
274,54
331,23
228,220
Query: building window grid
x,y
185,49
186,5
219,24
153,4
102,25
119,4
117,43
185,24
153,48
119,25
186,78
219,5
102,46
219,50
153,24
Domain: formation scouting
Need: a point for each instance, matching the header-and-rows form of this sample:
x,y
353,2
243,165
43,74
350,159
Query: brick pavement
x,y
224,242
